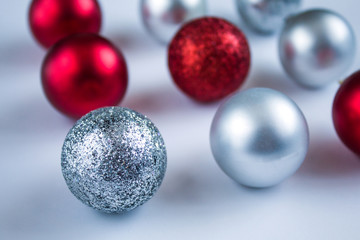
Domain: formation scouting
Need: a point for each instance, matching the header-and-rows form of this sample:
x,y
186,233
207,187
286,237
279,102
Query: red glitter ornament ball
x,y
84,72
209,58
52,20
346,112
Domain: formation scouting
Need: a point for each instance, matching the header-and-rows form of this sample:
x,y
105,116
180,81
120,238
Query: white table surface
x,y
196,200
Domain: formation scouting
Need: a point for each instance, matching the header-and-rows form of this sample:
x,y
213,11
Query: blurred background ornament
x,y
52,20
163,18
266,16
316,47
259,137
209,58
346,112
84,72
113,159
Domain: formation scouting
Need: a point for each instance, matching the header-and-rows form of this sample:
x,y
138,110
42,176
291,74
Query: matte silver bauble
x,y
113,159
163,18
316,47
266,16
259,137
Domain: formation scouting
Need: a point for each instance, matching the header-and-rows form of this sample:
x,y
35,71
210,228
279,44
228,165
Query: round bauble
x,y
316,47
52,20
259,137
346,112
209,58
84,72
266,16
113,159
164,18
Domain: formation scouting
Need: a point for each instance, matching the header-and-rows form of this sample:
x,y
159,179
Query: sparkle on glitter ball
x,y
113,159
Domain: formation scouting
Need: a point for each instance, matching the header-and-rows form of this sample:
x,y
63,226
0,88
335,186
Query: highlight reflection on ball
x,y
163,18
266,16
316,47
259,137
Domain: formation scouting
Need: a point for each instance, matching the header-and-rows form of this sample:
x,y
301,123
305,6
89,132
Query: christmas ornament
x,y
346,112
52,20
209,58
163,18
259,137
316,47
113,159
84,72
266,16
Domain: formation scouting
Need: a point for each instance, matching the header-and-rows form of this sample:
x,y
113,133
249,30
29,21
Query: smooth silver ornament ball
x,y
316,47
259,137
163,18
113,159
266,16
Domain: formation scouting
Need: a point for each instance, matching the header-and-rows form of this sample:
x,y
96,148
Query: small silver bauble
x,y
163,18
266,16
316,47
113,159
259,137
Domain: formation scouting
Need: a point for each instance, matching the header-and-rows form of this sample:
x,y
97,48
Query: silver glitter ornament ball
x,y
163,18
113,159
259,137
316,47
266,16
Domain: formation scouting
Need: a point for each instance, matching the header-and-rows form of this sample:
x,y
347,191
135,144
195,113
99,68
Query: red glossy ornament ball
x,y
84,72
346,112
209,58
52,20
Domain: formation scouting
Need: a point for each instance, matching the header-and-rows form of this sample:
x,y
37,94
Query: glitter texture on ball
x,y
209,58
316,47
346,112
82,73
113,159
163,18
52,20
259,137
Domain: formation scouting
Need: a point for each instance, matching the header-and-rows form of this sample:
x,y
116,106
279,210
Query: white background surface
x,y
196,199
